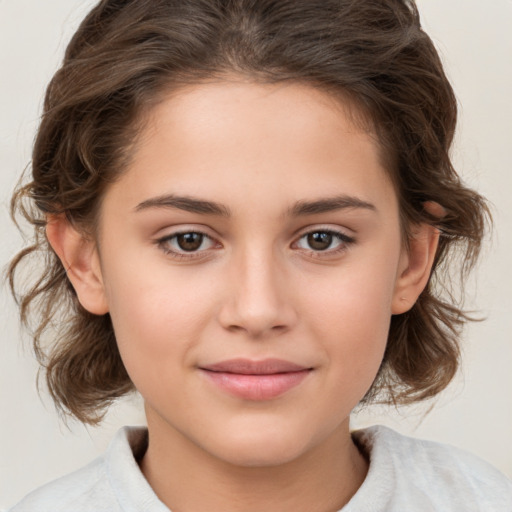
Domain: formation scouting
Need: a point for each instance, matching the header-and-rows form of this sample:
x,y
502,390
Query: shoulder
x,y
440,476
79,491
105,485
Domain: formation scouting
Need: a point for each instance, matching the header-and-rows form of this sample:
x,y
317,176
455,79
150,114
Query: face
x,y
250,260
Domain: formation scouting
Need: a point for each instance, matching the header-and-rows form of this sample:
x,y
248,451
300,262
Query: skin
x,y
255,288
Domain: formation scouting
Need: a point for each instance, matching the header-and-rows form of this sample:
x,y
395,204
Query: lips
x,y
255,380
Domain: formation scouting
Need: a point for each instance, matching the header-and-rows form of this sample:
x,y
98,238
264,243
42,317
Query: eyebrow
x,y
329,204
188,204
300,208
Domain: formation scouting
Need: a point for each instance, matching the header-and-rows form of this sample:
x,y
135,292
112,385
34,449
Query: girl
x,y
245,206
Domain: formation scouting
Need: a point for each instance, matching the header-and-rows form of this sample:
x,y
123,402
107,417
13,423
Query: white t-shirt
x,y
405,475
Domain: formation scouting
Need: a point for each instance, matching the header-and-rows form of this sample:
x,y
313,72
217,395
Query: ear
x,y
416,263
80,258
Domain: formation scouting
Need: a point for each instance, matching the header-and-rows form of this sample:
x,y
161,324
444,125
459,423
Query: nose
x,y
258,300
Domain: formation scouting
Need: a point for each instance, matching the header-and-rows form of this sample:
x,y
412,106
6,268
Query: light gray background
x,y
475,40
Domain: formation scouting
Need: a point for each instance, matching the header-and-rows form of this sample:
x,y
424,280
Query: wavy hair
x,y
126,54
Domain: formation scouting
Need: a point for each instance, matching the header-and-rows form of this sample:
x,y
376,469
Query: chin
x,y
260,447
256,455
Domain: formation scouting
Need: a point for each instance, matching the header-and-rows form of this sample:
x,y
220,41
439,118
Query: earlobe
x,y
80,258
415,268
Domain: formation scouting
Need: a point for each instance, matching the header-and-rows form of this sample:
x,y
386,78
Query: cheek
x,y
357,295
352,321
158,317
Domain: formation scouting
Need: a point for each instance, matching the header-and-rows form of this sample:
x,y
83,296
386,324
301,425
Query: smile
x,y
256,380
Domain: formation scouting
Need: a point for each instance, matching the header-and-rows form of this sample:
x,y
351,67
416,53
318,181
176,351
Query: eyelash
x,y
163,244
344,240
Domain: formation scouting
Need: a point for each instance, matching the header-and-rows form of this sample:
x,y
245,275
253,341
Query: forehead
x,y
296,109
239,140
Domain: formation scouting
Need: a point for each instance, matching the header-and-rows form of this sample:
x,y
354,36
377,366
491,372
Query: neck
x,y
188,479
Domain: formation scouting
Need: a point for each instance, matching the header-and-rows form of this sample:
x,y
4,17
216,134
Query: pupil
x,y
320,241
190,241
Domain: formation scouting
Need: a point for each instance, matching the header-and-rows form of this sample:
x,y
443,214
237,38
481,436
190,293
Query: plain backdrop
x,y
475,41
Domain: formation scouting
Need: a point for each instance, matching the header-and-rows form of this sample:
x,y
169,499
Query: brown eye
x,y
324,241
189,241
320,241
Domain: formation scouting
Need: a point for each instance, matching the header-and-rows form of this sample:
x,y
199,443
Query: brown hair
x,y
127,52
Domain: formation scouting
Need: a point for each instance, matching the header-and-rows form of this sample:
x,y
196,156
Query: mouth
x,y
256,380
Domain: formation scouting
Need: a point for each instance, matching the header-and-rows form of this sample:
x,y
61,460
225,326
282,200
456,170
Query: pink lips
x,y
256,380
